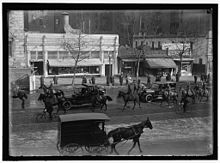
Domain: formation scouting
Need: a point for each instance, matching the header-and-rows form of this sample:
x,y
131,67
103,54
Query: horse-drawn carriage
x,y
155,92
82,130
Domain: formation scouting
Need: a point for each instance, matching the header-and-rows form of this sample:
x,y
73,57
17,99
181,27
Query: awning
x,y
71,62
160,63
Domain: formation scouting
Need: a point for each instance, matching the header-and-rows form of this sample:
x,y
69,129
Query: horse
x,y
50,101
126,133
98,98
185,93
169,96
202,93
129,97
102,101
21,95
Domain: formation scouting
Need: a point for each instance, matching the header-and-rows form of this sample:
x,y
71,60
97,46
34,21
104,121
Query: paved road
x,y
186,136
174,133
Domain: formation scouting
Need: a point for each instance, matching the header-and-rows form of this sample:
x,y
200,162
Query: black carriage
x,y
155,92
82,131
83,95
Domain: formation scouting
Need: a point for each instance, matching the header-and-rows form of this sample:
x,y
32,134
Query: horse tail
x,y
108,98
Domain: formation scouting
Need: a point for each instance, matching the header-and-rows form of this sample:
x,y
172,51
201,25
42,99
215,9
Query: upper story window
x,y
64,55
52,54
95,54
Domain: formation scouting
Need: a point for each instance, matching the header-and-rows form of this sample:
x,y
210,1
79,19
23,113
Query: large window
x,y
52,54
33,55
95,54
64,55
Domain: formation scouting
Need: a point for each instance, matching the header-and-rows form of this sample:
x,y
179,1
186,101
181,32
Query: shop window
x,y
52,54
152,44
159,45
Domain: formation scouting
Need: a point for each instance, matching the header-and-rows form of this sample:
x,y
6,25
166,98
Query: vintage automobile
x,y
82,130
155,91
82,95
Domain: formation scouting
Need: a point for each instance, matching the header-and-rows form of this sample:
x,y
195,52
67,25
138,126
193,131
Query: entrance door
x,y
108,69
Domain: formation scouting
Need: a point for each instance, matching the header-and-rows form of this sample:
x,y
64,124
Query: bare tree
x,y
74,44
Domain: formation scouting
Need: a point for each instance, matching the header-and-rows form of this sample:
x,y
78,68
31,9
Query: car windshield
x,y
155,86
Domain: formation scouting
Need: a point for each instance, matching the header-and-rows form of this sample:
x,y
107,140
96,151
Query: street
x,y
173,133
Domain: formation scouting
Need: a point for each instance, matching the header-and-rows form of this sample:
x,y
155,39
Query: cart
x,y
84,132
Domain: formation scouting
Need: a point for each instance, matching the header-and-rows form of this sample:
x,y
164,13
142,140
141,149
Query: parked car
x,y
155,92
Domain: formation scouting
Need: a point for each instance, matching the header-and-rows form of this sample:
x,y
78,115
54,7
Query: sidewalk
x,y
102,80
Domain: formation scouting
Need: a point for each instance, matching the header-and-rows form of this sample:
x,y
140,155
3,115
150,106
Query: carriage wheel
x,y
41,117
60,150
148,98
67,105
70,148
96,149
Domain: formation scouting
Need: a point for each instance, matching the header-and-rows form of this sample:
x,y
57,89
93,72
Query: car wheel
x,y
67,105
148,98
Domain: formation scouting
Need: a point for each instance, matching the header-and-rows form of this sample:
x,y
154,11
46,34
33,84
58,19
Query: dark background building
x,y
126,23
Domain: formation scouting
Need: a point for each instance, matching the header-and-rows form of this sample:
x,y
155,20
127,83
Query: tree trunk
x,y
138,65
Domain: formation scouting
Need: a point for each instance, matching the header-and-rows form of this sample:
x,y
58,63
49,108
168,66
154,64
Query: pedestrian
x,y
121,78
177,77
201,78
126,77
148,79
84,80
93,80
185,102
112,80
208,78
195,79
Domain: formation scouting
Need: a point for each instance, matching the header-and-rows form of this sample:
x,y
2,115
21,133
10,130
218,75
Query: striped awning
x,y
71,62
160,63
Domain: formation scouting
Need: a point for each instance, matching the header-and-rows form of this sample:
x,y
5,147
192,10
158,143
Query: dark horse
x,y
129,97
51,100
102,101
98,98
126,133
21,95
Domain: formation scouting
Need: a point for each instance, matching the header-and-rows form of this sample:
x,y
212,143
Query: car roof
x,y
88,85
164,82
79,86
83,117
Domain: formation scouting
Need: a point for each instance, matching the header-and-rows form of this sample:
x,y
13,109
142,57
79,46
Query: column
x,y
45,74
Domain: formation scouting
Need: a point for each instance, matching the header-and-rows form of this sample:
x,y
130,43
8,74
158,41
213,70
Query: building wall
x,y
103,44
16,39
